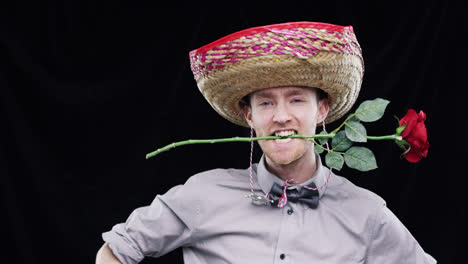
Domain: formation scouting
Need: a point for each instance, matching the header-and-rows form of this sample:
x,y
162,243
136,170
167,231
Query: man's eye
x,y
265,103
297,100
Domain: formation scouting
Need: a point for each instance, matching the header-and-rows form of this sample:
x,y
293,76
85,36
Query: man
x,y
278,80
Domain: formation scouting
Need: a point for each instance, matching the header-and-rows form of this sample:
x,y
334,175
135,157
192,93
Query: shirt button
x,y
282,256
290,211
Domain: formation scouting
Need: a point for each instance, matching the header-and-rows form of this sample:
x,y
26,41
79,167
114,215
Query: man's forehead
x,y
290,90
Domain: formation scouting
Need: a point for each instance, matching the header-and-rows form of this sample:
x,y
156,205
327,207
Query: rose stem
x,y
234,139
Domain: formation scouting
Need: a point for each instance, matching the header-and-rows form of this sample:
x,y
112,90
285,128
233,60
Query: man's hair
x,y
320,95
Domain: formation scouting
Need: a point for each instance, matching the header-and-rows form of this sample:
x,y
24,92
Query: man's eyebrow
x,y
291,92
294,92
263,94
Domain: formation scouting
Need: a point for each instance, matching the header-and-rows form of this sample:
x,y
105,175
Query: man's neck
x,y
300,170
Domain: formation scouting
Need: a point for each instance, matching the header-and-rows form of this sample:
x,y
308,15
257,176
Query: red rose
x,y
415,134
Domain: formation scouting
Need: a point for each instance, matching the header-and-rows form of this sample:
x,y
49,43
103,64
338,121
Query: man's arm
x,y
154,230
391,242
105,256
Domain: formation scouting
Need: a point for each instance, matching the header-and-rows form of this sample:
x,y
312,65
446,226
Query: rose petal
x,y
413,156
421,116
410,120
415,143
415,133
425,149
419,132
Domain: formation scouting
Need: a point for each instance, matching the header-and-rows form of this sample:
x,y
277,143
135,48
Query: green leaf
x,y
322,140
334,160
354,119
340,142
371,110
318,149
356,132
360,158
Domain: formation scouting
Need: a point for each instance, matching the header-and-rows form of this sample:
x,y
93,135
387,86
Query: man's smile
x,y
284,133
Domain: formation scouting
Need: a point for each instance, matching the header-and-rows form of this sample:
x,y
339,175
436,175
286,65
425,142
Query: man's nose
x,y
281,114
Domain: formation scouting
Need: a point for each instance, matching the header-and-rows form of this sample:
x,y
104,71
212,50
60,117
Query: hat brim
x,y
338,74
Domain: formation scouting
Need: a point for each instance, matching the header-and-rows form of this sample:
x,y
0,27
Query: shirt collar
x,y
266,178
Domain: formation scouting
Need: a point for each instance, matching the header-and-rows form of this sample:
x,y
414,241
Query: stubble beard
x,y
289,158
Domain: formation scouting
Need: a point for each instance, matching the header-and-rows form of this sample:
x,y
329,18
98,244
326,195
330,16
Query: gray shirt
x,y
212,220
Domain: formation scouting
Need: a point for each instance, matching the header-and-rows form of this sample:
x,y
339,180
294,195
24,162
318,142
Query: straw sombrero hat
x,y
307,54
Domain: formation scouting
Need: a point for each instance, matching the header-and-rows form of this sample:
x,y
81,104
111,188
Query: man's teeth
x,y
284,134
283,140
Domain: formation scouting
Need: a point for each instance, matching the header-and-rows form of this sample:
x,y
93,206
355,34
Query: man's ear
x,y
248,114
322,110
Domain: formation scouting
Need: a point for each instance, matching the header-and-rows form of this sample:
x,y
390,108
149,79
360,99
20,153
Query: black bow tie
x,y
307,196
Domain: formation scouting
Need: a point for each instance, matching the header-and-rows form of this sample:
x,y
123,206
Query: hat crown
x,y
309,54
300,39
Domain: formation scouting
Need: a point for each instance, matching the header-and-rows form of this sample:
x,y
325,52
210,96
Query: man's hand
x,y
105,256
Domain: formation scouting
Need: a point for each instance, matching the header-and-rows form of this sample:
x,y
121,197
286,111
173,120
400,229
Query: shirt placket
x,y
284,252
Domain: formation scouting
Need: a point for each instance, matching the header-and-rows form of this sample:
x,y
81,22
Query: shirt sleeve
x,y
392,243
154,230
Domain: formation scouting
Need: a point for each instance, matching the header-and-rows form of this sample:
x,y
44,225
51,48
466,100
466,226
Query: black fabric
x,y
310,197
87,88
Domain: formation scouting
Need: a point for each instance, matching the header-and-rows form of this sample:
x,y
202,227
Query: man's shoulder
x,y
206,184
344,191
220,177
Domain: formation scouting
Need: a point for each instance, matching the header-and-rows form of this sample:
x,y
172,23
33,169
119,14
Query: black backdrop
x,y
88,88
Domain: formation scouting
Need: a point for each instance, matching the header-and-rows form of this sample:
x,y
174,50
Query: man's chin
x,y
282,160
